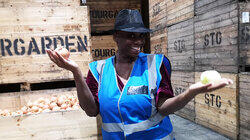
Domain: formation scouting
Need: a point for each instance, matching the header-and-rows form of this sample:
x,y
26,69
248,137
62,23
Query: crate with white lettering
x,y
244,103
244,36
179,10
17,123
103,47
157,21
219,109
181,45
216,35
25,33
103,12
181,81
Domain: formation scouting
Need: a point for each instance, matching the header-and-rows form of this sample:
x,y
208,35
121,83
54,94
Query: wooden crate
x,y
157,22
103,47
103,12
218,110
30,3
216,35
74,124
25,32
15,100
52,125
179,10
180,82
181,45
244,37
244,103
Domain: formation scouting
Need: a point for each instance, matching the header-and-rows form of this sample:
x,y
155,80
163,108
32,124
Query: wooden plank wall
x,y
52,125
103,12
103,47
25,32
179,10
157,21
244,38
244,103
181,80
216,34
181,46
218,110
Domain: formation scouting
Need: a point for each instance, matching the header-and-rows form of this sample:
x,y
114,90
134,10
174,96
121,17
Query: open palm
x,y
198,87
67,64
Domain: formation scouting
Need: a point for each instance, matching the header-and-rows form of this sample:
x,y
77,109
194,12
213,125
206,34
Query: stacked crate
x,y
180,16
102,19
157,21
27,28
244,76
216,35
209,35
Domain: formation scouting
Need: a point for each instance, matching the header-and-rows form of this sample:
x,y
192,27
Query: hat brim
x,y
136,30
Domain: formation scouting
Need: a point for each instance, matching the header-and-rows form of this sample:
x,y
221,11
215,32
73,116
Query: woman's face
x,y
129,43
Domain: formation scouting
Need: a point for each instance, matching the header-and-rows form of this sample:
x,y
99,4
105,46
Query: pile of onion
x,y
55,103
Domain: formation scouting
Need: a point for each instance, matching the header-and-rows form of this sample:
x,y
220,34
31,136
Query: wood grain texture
x,y
103,47
103,13
25,33
244,103
181,81
216,37
219,109
179,10
181,45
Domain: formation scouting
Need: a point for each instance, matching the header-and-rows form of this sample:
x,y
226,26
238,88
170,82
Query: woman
x,y
132,90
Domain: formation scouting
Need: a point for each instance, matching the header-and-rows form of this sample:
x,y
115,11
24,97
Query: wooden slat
x,y
30,3
219,108
25,32
216,35
244,37
244,103
52,125
158,42
103,13
181,45
179,10
103,47
180,82
157,14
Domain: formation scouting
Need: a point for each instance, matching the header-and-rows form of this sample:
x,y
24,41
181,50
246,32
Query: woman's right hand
x,y
62,62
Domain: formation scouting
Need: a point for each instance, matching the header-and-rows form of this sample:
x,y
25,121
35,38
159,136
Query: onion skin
x,y
63,52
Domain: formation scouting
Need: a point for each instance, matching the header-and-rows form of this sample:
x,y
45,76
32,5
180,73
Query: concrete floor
x,y
187,130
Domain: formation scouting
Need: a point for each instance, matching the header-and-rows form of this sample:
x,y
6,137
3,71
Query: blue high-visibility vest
x,y
131,114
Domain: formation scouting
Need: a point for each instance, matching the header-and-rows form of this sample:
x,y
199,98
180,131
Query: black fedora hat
x,y
130,21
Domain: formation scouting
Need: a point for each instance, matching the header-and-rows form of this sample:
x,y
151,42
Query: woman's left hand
x,y
198,88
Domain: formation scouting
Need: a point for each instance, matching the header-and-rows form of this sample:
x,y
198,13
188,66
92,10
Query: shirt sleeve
x,y
165,89
93,85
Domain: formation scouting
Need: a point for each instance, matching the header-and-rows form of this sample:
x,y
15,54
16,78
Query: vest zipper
x,y
121,95
121,114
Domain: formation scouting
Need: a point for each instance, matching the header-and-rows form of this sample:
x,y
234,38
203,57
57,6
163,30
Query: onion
x,y
53,99
52,105
46,110
210,76
63,52
56,108
64,106
34,109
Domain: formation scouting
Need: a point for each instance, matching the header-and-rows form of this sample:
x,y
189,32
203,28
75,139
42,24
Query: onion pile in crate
x,y
55,103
